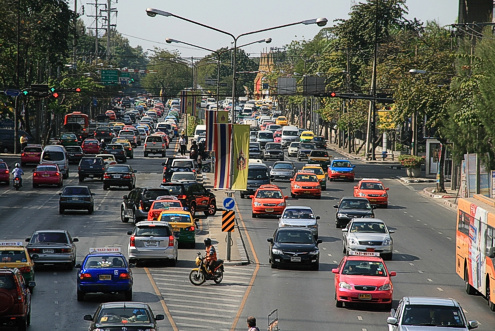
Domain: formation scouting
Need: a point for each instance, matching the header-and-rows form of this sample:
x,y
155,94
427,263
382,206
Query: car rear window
x,y
104,262
53,237
76,191
32,149
12,256
115,147
175,218
182,164
46,168
95,161
156,139
153,194
156,231
3,165
53,156
319,153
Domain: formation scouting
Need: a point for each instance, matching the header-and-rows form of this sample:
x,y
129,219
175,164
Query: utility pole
x,y
97,17
109,10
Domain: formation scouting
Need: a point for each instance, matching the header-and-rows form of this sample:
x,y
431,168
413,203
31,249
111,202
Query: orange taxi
x,y
373,190
305,183
268,200
163,203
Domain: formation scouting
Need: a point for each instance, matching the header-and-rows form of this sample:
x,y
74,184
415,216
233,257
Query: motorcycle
x,y
199,275
17,183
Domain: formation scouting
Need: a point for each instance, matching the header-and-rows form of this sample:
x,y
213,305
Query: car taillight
x,y
145,145
124,275
23,154
191,228
34,250
25,269
57,174
182,196
35,174
132,241
6,171
171,241
106,176
85,276
66,250
79,168
126,176
141,205
163,145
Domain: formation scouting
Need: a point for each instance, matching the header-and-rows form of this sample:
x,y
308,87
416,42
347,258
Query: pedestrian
x,y
24,140
182,143
251,322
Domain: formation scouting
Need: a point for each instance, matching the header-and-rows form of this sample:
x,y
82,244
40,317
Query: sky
x,y
238,17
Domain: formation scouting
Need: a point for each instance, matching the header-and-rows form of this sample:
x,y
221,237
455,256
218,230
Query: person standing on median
x,y
182,143
23,140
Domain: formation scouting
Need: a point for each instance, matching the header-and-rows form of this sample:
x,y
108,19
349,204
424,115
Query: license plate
x,y
151,244
114,152
342,176
295,259
116,176
269,210
75,199
364,296
372,200
306,192
46,175
48,251
105,277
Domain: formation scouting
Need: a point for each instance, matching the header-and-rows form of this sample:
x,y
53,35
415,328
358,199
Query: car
x,y
116,150
131,136
320,142
184,176
255,151
47,174
341,169
92,167
294,246
282,120
264,136
52,247
108,159
184,163
373,190
74,153
69,139
13,254
153,241
282,170
129,151
105,133
90,146
182,223
363,278
273,127
194,196
136,205
273,151
304,150
76,197
299,216
31,154
321,157
119,175
104,270
258,174
111,115
268,200
163,203
306,136
15,303
368,235
4,172
125,315
293,149
277,137
167,176
415,313
154,144
352,207
318,171
56,154
305,184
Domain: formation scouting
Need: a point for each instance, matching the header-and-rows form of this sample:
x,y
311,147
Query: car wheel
x,y
292,195
316,266
23,164
173,262
105,187
35,185
385,205
272,265
132,156
253,215
469,289
130,187
338,303
123,218
323,188
145,154
71,265
81,178
344,250
337,225
66,175
318,197
212,209
163,154
134,218
91,210
128,295
80,295
61,210
387,256
23,324
242,196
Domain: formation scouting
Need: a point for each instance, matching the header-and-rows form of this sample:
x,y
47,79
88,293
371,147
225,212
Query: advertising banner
x,y
222,147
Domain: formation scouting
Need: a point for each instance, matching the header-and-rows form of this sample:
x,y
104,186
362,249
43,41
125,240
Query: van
x,y
200,130
264,137
289,134
258,174
58,155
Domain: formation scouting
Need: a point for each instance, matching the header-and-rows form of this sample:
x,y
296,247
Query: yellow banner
x,y
240,151
223,117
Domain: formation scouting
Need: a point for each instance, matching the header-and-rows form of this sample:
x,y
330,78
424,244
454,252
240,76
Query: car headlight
x,y
277,251
313,226
345,285
316,252
385,287
387,242
352,241
341,215
385,194
297,186
281,204
361,194
318,187
257,204
333,171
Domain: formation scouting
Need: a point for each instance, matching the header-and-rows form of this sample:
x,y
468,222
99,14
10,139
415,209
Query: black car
x,y
75,154
273,151
137,203
294,246
351,207
105,133
255,151
91,167
125,315
76,197
304,150
117,150
119,175
320,142
194,196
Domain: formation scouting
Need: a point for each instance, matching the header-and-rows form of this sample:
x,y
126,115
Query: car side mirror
x,y
292,179
355,187
78,266
88,317
335,271
318,217
251,196
34,170
27,239
31,284
387,188
353,166
391,231
163,163
344,230
392,321
270,240
319,241
124,197
286,197
75,240
335,206
393,273
159,317
129,232
473,324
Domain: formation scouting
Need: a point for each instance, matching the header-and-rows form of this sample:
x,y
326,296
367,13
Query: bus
x,y
475,246
77,123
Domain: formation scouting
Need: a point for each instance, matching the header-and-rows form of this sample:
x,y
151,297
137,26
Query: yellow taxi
x,y
13,254
281,120
118,124
307,136
127,146
182,223
319,172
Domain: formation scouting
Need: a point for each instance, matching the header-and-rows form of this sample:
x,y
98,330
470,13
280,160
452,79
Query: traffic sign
x,y
109,77
229,203
228,221
12,92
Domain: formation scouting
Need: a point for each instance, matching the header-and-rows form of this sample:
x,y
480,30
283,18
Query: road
x,y
423,258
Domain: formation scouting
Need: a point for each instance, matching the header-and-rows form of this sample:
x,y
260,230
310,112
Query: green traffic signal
x,y
52,89
25,92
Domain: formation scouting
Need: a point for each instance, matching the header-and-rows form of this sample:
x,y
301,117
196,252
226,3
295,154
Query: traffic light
x,y
25,92
55,95
131,81
332,94
52,89
77,89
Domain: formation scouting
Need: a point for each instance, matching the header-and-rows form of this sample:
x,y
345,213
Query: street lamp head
x,y
268,40
152,12
321,21
417,71
170,40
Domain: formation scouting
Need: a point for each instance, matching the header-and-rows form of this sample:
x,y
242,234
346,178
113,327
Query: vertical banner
x,y
222,148
241,156
183,101
223,116
211,117
189,103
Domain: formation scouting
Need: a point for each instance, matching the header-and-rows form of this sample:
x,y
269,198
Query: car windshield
x,y
433,315
283,166
290,133
104,262
269,194
75,191
46,168
265,135
364,268
318,138
175,218
319,154
306,178
355,204
297,213
118,169
306,146
371,186
342,164
317,171
156,231
254,148
368,227
273,146
166,204
49,237
126,316
294,145
257,173
12,256
295,237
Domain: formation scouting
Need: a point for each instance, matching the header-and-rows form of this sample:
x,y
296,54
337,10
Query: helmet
x,y
17,165
207,242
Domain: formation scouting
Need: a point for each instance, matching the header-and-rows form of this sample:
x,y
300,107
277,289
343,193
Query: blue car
x,y
104,270
341,169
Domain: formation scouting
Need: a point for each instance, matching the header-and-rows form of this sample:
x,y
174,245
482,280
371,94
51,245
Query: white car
x,y
368,235
293,149
300,216
108,159
186,176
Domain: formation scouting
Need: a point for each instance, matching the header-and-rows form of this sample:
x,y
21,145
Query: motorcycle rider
x,y
211,255
17,172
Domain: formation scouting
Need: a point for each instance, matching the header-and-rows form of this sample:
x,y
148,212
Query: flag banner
x,y
223,116
183,102
241,155
189,103
222,148
211,116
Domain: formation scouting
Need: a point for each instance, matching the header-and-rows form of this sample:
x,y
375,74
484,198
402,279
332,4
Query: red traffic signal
x,y
55,95
77,89
333,94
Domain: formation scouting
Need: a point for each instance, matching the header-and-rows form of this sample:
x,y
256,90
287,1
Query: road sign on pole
x,y
228,221
12,92
110,77
229,203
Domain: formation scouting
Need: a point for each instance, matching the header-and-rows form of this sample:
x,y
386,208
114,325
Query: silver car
x,y
186,176
368,235
300,217
52,247
425,313
152,241
282,170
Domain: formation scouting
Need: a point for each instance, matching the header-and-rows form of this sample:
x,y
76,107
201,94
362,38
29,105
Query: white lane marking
x,y
448,238
428,279
360,318
420,271
440,233
440,289
411,264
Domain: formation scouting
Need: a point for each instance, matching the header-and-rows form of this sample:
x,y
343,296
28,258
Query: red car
x,y
91,146
31,154
163,203
277,136
47,174
4,172
111,115
363,278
